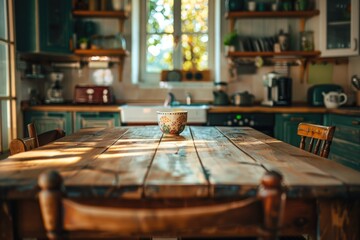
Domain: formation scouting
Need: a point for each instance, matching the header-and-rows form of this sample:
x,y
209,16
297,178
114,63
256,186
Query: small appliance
x,y
263,122
277,90
315,93
55,93
242,99
220,95
93,94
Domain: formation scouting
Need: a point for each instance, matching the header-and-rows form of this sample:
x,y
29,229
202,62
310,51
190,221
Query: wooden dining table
x,y
140,166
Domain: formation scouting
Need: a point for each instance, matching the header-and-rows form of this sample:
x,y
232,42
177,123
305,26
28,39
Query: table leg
x,y
6,221
339,219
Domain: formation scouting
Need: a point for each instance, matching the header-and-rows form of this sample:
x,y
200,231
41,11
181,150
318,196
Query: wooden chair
x,y
34,140
19,145
322,134
65,218
46,137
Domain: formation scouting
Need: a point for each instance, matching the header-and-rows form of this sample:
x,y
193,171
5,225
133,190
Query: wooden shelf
x,y
100,14
272,54
120,53
120,15
277,14
101,52
41,57
233,16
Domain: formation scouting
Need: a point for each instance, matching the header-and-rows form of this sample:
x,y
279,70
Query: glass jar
x,y
307,41
120,41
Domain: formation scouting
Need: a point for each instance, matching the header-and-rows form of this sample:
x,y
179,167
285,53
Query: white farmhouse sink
x,y
144,113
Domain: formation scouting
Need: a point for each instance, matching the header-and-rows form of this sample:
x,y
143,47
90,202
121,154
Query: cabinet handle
x,y
355,123
356,44
296,119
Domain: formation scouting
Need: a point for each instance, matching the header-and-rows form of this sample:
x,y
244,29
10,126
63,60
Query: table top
x,y
203,162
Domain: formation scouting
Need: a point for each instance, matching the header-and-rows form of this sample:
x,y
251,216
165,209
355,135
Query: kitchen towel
x,y
320,73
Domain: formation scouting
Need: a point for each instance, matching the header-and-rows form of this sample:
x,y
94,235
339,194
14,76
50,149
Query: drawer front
x,y
97,119
347,127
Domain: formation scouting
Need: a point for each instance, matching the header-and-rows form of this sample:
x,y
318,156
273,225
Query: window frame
x,y
153,79
9,131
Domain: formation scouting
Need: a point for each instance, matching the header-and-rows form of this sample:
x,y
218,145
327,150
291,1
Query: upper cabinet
x,y
339,28
43,26
55,26
25,25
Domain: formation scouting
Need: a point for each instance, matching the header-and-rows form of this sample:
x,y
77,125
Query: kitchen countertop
x,y
73,108
212,109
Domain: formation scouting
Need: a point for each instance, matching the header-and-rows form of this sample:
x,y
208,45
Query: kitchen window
x,y
175,34
7,76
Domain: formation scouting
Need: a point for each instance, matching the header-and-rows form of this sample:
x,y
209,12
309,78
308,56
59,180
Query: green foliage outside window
x,y
163,39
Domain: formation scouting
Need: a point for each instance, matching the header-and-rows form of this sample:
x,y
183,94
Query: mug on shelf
x,y
251,6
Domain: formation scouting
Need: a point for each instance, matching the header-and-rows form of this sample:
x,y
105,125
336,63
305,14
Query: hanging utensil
x,y
355,81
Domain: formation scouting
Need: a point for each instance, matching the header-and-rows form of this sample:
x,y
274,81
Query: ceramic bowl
x,y
172,122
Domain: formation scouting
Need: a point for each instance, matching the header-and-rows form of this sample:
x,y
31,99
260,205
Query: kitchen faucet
x,y
169,100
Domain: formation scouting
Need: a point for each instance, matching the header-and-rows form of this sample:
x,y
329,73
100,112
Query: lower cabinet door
x,y
96,119
345,147
345,152
286,125
46,121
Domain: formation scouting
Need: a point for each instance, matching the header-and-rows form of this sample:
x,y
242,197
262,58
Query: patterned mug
x,y
172,122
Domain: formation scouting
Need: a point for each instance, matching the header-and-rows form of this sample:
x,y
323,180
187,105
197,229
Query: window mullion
x,y
177,34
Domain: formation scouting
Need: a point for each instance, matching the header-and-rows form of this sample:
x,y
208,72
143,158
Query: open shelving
x,y
301,15
121,15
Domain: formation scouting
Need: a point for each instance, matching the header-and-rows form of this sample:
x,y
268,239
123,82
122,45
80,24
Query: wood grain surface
x,y
139,167
138,162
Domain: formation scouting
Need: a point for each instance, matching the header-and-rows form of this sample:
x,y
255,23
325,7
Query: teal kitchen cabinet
x,y
96,119
45,121
345,147
25,25
50,19
286,125
55,25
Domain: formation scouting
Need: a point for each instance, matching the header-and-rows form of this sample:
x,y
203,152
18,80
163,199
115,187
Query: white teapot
x,y
333,99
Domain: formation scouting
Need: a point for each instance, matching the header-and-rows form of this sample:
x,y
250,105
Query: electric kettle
x,y
220,95
334,99
220,98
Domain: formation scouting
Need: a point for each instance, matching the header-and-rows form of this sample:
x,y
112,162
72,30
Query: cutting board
x,y
320,73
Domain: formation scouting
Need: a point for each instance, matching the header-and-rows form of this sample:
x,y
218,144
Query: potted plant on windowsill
x,y
230,41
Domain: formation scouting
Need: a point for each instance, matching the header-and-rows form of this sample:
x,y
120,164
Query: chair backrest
x,y
64,217
19,145
46,137
34,140
323,136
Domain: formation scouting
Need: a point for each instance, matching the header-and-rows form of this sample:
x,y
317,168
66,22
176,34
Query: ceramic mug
x,y
275,7
252,6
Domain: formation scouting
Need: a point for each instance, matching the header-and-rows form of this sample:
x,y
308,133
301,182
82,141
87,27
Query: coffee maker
x,y
55,92
277,90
